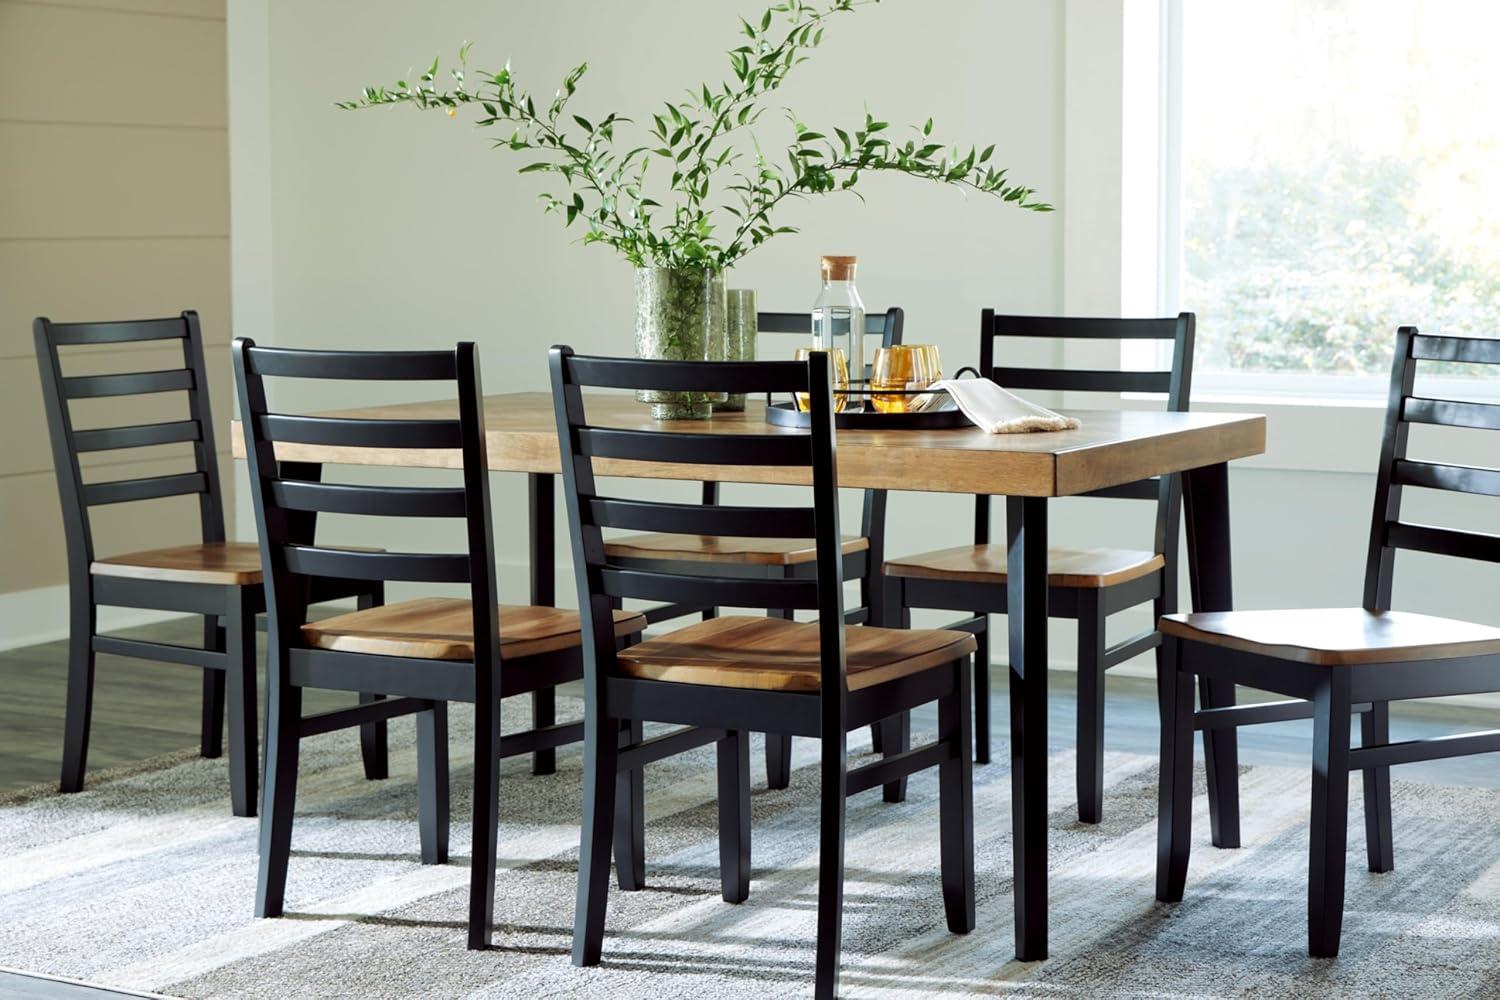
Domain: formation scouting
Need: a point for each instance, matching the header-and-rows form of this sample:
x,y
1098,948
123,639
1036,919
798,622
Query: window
x,y
1338,176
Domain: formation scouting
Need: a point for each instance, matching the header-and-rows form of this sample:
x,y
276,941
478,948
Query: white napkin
x,y
996,411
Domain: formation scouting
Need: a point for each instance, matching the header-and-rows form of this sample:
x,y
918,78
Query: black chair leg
x,y
734,816
1221,761
1375,730
897,739
374,744
831,802
433,814
211,723
982,694
81,624
1090,756
242,707
778,760
543,714
1330,815
601,753
630,817
778,745
1174,817
486,822
877,737
284,716
956,803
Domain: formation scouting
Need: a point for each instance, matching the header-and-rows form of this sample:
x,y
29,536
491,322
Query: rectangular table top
x,y
1110,448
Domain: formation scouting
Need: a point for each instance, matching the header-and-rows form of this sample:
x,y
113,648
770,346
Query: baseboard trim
x,y
33,617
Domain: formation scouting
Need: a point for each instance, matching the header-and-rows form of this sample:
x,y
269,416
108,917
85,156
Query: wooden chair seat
x,y
223,563
442,628
1078,568
716,549
1329,637
773,654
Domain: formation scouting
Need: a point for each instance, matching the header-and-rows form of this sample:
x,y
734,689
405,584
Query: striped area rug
x,y
144,882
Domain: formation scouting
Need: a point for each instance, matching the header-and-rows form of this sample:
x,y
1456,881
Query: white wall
x,y
389,228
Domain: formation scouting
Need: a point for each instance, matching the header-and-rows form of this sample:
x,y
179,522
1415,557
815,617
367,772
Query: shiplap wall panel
x,y
20,388
32,552
111,181
71,280
114,204
206,10
101,76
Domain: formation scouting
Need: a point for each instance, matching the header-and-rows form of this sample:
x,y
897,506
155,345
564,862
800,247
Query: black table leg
x,y
1206,508
1026,565
544,594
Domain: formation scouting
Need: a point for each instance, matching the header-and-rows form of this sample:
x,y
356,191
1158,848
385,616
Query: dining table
x,y
1110,448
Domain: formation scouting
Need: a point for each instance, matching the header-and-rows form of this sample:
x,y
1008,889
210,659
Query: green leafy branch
x,y
606,186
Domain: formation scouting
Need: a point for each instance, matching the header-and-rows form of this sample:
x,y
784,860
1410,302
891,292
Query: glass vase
x,y
679,316
740,326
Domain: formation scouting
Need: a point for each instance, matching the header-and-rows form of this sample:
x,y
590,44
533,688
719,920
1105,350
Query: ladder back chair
x,y
775,558
423,652
726,677
216,579
1335,663
1085,584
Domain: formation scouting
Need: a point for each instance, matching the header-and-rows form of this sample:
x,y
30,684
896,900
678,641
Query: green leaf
x,y
927,129
532,168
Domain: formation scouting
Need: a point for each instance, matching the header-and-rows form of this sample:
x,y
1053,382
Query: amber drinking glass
x,y
838,372
932,371
902,367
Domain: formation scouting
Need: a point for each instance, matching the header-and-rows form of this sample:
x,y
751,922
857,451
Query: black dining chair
x,y
214,578
775,558
1085,584
423,652
726,677
1335,663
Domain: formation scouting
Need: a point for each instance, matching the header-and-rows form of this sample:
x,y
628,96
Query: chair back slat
x,y
1451,413
289,497
694,449
128,331
674,588
408,567
54,343
1467,350
1443,541
603,582
1080,380
1453,478
1175,383
136,436
1389,532
361,433
694,519
377,501
382,366
128,384
146,488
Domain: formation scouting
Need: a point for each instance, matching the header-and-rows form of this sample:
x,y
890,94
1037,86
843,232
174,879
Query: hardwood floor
x,y
144,709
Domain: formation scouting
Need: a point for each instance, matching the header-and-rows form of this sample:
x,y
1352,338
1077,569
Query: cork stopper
x,y
838,268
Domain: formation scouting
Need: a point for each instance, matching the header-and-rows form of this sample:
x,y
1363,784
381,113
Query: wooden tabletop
x,y
1111,447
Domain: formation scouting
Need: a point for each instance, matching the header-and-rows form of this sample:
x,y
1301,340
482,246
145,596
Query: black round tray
x,y
787,415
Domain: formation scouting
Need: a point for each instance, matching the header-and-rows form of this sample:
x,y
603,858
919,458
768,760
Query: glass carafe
x,y
838,317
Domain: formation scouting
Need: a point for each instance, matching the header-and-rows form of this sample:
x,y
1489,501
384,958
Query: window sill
x,y
1329,434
